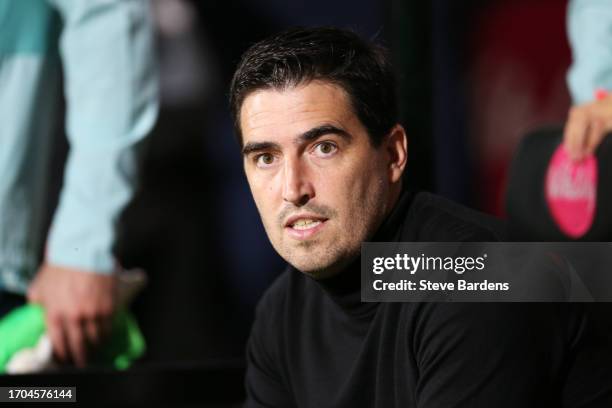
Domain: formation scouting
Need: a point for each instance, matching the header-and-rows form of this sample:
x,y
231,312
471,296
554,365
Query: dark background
x,y
474,77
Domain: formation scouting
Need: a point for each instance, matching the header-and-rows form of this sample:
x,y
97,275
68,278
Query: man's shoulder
x,y
436,218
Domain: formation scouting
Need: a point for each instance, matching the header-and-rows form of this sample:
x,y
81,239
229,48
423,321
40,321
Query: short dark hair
x,y
334,55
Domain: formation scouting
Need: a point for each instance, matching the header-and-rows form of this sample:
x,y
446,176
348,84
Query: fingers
x,y
55,331
68,339
586,127
72,338
84,334
78,309
76,342
92,331
98,322
595,133
575,133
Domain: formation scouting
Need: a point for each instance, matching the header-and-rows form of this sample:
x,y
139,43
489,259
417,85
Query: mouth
x,y
304,226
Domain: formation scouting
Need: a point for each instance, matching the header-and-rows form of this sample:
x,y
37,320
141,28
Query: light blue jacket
x,y
105,48
589,26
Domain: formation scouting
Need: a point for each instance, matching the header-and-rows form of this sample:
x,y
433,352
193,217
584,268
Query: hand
x,y
78,309
586,127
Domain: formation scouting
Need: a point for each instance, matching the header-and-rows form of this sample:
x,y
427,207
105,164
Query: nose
x,y
297,187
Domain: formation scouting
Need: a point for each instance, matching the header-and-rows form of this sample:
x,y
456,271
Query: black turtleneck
x,y
315,344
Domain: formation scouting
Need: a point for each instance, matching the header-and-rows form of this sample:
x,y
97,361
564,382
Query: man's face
x,y
320,187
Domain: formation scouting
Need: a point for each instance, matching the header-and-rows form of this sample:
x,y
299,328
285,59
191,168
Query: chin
x,y
322,268
317,271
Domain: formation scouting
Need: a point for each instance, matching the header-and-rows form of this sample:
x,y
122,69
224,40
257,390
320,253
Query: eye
x,y
264,160
325,149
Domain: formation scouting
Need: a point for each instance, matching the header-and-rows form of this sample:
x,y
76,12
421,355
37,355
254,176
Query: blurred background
x,y
474,77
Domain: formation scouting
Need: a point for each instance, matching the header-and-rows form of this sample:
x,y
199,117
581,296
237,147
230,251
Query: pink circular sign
x,y
571,192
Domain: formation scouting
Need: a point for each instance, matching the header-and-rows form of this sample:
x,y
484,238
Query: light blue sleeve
x,y
112,99
589,26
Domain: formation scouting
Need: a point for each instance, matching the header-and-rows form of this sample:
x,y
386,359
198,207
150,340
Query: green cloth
x,y
23,327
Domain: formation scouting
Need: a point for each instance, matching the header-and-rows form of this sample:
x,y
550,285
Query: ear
x,y
396,144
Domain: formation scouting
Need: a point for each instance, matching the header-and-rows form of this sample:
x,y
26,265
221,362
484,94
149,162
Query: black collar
x,y
345,287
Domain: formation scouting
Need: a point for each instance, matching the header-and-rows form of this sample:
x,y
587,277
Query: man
x,y
324,155
105,48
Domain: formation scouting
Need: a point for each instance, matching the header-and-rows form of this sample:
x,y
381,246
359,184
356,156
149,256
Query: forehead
x,y
271,113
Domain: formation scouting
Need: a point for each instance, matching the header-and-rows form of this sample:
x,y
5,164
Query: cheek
x,y
349,189
368,191
365,176
264,191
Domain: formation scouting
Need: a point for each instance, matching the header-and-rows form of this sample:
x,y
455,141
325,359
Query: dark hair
x,y
341,57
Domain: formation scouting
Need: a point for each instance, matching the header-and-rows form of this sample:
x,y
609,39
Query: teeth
x,y
304,224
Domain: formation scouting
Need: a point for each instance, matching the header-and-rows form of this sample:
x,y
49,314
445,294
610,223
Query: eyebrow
x,y
305,137
322,130
259,146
